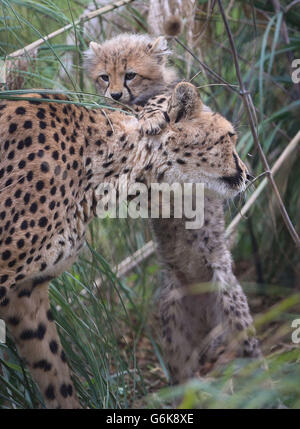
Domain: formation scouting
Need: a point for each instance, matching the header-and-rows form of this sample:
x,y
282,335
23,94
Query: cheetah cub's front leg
x,y
154,117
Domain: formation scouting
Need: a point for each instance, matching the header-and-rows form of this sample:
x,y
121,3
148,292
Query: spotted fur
x,y
203,311
188,258
53,157
133,69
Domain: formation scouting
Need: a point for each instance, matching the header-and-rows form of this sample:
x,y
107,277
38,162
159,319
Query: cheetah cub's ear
x,y
91,57
184,102
95,49
159,49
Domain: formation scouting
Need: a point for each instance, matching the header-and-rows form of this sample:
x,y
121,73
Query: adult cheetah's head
x,y
202,145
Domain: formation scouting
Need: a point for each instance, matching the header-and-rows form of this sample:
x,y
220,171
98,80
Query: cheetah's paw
x,y
152,126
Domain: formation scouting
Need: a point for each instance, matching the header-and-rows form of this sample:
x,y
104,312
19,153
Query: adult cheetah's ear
x,y
184,102
159,49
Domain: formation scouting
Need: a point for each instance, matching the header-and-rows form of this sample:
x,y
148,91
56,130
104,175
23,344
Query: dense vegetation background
x,y
106,323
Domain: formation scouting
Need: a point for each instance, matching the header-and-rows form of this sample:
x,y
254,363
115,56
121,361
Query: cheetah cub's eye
x,y
104,77
130,75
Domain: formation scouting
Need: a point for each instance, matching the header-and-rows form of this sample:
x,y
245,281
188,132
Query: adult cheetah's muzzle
x,y
238,179
234,181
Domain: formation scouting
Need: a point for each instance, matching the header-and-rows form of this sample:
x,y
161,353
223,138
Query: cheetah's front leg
x,y
201,330
241,338
154,117
186,325
29,319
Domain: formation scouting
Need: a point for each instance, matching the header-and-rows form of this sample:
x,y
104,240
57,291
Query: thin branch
x,y
229,86
207,68
67,27
285,154
248,104
294,3
244,60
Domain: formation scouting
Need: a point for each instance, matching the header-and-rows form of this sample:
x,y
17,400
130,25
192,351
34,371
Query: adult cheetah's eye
x,y
104,77
130,75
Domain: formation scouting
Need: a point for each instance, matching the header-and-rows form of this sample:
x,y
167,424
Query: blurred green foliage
x,y
105,330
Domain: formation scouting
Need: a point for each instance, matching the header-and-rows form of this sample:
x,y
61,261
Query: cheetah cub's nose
x,y
116,95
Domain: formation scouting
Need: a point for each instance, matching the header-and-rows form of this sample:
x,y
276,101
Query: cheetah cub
x,y
132,69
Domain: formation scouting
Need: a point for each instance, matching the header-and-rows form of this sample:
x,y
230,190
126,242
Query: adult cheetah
x,y
53,157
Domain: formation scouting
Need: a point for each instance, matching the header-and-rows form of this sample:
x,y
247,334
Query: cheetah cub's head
x,y
202,145
129,68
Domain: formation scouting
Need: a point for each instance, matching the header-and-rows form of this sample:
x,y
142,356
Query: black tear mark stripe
x,y
237,178
237,163
129,91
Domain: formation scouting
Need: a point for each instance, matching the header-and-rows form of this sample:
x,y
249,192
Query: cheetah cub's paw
x,y
185,102
152,125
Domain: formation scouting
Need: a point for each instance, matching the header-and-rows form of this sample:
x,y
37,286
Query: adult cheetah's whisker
x,y
252,181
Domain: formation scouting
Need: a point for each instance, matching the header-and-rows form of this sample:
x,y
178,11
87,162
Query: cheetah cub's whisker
x,y
53,157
